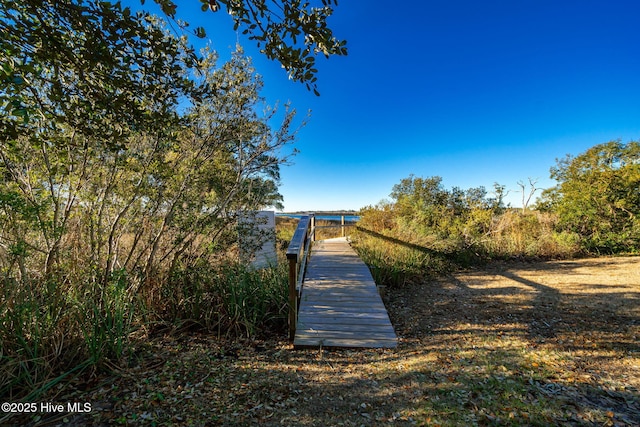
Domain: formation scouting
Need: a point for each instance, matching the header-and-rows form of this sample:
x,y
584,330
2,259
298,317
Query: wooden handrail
x,y
297,254
342,226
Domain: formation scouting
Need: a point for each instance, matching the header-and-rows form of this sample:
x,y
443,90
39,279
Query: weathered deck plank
x,y
340,305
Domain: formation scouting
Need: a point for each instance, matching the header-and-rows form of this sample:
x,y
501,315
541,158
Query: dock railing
x,y
297,254
342,226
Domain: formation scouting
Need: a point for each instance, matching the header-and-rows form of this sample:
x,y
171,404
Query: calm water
x,y
347,218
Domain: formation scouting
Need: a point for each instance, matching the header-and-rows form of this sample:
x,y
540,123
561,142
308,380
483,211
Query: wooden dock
x,y
339,303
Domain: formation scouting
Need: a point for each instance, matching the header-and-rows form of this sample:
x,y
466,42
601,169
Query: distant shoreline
x,y
326,216
319,213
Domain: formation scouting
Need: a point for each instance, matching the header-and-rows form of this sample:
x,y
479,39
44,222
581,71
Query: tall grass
x,y
399,251
325,229
394,262
52,330
285,228
529,235
49,329
231,299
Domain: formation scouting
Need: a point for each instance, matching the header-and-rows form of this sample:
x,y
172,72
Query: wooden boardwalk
x,y
340,305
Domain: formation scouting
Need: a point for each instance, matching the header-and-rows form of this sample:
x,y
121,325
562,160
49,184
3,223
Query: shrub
x,y
531,234
399,247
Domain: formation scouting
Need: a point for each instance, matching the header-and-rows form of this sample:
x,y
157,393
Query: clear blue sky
x,y
476,92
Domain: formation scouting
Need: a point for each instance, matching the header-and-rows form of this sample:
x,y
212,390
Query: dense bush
x,y
427,228
598,197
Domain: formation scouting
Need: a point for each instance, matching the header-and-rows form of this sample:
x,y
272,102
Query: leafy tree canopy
x,y
429,193
291,32
96,141
598,195
427,204
91,66
103,70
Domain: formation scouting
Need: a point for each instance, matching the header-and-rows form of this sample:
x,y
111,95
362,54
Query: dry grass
x,y
529,343
546,343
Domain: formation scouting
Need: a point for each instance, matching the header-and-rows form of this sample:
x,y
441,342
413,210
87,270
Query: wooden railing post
x,y
342,231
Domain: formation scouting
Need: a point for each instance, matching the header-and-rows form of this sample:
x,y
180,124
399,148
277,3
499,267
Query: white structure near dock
x,y
257,236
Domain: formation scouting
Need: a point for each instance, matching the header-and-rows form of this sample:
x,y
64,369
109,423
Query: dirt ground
x,y
589,306
542,343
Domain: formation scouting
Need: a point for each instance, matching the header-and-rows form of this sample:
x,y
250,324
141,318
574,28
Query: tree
x,y
89,66
124,160
289,31
95,143
45,45
425,205
96,140
420,200
598,196
526,197
79,81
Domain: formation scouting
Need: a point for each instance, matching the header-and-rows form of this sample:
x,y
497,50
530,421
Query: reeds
x,y
231,299
402,251
50,331
394,263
